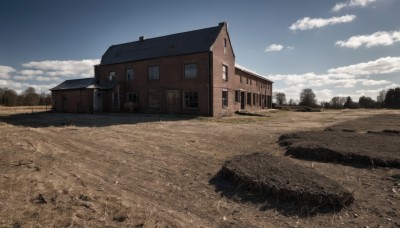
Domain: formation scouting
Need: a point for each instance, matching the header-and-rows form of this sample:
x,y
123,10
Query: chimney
x,y
222,24
141,38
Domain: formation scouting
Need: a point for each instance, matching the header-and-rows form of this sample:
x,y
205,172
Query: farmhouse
x,y
188,73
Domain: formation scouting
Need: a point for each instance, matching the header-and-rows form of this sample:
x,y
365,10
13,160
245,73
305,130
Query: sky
x,y
335,47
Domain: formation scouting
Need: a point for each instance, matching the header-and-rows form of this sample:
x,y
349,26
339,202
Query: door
x,y
98,101
242,100
172,101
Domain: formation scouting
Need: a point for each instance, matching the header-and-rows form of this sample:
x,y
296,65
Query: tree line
x,y
385,99
29,97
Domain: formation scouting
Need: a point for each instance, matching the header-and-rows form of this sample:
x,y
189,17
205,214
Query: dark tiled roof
x,y
85,83
75,84
172,45
103,85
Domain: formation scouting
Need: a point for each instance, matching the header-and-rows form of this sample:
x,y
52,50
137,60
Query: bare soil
x,y
380,148
121,170
286,182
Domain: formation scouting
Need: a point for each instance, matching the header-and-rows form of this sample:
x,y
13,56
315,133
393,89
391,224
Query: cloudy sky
x,y
335,47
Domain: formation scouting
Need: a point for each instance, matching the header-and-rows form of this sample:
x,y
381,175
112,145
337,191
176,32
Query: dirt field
x,y
147,170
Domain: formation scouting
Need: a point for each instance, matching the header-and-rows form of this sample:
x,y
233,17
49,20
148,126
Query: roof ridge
x,y
163,36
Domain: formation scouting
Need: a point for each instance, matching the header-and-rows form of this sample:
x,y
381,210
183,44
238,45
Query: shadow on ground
x,y
48,119
243,194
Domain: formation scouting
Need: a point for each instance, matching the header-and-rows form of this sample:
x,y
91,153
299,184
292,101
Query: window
x,y
190,100
225,44
129,74
154,100
191,70
250,81
132,97
254,99
111,76
224,73
248,98
247,80
237,96
241,80
224,98
154,73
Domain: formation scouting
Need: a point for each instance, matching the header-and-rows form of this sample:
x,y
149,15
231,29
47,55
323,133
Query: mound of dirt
x,y
287,181
344,147
308,109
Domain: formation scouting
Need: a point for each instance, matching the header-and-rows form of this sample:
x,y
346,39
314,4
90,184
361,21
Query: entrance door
x,y
242,100
172,101
98,101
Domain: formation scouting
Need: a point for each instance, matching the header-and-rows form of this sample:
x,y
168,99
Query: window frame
x,y
248,99
150,73
225,45
128,77
150,94
225,72
184,71
225,103
133,94
112,76
187,99
237,96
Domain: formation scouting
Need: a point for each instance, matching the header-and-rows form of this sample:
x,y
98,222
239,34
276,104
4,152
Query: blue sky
x,y
335,47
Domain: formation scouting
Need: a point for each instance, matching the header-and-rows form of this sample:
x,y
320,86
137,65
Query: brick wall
x,y
171,78
80,100
221,56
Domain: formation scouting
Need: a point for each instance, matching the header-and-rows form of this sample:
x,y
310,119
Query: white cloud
x,y
352,3
47,79
44,73
65,68
316,80
20,87
375,82
380,66
310,23
324,94
376,39
17,86
23,78
31,72
274,47
5,72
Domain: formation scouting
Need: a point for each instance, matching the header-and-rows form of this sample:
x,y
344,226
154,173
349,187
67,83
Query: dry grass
x,y
122,170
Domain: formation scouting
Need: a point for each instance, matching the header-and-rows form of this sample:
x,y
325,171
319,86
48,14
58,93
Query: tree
x,y
380,99
9,97
1,95
392,98
349,103
45,99
366,102
307,98
337,102
280,98
30,97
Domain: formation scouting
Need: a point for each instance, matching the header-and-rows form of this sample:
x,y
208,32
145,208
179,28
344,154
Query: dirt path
x,y
99,170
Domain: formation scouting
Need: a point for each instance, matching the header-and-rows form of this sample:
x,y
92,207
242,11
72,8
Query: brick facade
x,y
214,89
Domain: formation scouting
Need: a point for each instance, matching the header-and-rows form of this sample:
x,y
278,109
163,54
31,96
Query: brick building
x,y
189,73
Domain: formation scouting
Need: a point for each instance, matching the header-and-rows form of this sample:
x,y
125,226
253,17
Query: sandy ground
x,y
135,170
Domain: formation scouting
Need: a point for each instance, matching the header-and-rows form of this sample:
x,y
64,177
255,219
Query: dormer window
x,y
111,76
